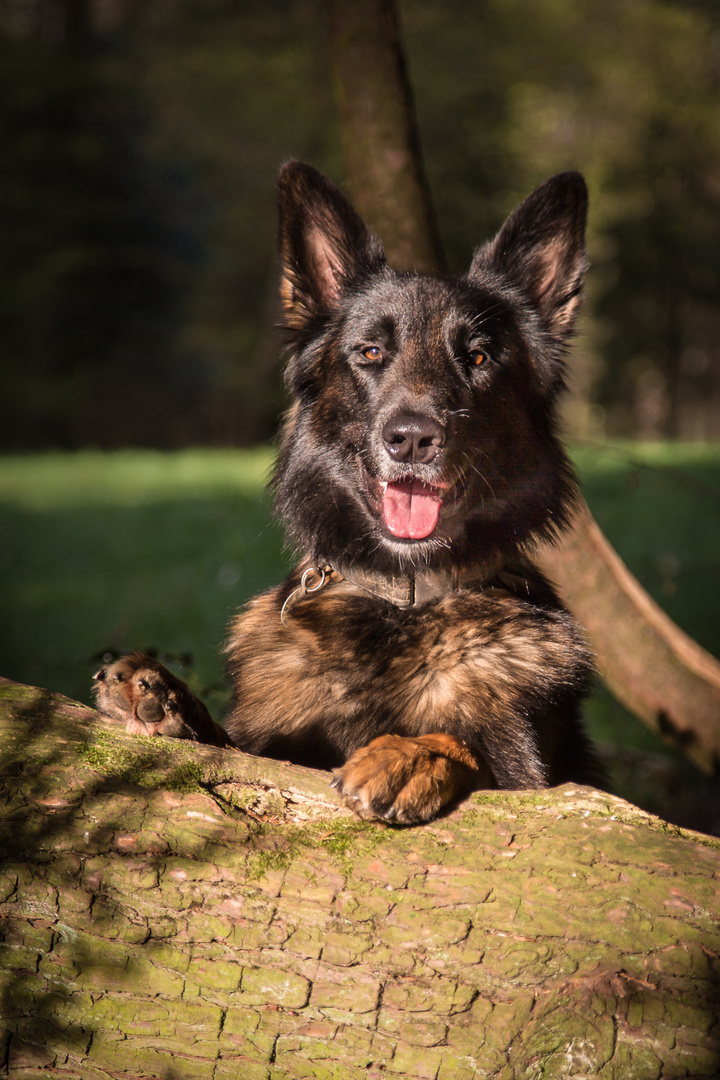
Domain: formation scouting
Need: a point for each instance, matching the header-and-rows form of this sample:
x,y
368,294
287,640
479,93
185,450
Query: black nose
x,y
413,438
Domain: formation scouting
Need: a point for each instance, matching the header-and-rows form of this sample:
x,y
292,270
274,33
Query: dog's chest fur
x,y
346,667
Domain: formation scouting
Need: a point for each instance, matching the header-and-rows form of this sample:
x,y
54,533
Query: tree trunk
x,y
656,670
176,911
385,176
649,664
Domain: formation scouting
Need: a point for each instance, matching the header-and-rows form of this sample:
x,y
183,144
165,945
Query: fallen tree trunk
x,y
175,911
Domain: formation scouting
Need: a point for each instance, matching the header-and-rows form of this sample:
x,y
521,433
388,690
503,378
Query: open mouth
x,y
409,508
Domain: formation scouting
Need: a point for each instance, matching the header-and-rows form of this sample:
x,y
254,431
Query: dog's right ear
x,y
324,245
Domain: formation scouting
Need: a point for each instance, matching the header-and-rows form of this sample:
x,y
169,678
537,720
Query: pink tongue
x,y
411,509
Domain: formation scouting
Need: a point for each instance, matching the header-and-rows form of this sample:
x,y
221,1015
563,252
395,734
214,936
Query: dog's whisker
x,y
483,316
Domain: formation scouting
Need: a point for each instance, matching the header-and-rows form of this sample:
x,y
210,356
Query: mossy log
x,y
174,911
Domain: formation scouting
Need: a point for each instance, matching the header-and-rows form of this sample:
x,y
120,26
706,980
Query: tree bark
x,y
648,663
170,910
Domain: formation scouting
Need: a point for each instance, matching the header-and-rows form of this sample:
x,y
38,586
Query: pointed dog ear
x,y
324,245
541,248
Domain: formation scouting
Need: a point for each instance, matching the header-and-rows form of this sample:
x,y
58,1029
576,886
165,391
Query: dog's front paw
x,y
408,780
150,700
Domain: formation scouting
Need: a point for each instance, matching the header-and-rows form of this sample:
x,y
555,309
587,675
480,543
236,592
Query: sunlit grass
x,y
134,549
129,477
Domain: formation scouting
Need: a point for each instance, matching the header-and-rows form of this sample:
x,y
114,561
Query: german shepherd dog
x,y
415,649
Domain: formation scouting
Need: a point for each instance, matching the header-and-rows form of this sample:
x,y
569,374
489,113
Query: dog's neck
x,y
420,586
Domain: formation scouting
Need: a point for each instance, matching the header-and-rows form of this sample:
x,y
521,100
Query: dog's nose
x,y
413,438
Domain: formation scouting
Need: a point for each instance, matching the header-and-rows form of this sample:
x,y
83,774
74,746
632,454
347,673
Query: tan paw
x,y
407,780
150,700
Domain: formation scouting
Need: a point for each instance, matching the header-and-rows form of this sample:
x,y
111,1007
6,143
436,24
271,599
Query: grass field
x,y
104,552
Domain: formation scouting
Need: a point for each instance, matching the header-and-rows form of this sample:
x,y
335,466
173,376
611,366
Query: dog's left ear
x,y
541,248
324,245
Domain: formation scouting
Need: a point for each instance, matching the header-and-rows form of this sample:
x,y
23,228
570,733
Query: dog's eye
x,y
477,357
373,354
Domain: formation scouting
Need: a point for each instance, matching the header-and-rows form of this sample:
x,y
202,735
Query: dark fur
x,y
452,382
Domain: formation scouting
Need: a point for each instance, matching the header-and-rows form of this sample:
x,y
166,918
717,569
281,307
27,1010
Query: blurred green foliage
x,y
140,145
626,91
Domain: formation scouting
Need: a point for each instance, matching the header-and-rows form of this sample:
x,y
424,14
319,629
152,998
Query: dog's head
x,y
422,429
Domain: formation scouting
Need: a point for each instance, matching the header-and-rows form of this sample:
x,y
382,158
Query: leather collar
x,y
409,590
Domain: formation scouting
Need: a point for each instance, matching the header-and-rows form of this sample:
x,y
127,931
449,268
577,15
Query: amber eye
x,y
477,357
373,353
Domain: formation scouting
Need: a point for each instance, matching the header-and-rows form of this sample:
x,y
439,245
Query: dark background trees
x,y
140,148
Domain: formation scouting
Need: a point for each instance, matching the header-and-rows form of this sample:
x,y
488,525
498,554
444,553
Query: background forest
x,y
140,146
